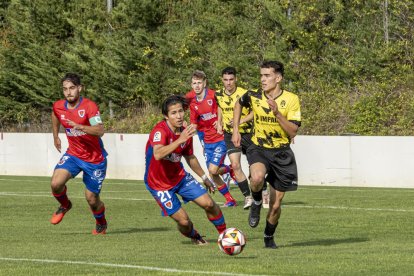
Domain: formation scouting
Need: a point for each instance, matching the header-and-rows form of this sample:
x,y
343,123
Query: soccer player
x,y
165,176
277,119
226,98
203,115
83,126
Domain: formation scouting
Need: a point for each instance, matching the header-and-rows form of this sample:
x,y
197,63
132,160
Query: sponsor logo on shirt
x,y
74,132
208,116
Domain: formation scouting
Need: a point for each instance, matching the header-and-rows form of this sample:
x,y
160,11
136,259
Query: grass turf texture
x,y
322,231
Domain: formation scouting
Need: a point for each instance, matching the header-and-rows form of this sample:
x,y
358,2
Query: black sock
x,y
270,229
244,188
257,196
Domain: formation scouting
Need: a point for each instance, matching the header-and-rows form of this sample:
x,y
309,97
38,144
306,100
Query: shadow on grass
x,y
327,242
138,230
124,231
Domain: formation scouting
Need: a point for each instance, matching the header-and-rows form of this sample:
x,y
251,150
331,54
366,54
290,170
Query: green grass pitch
x,y
322,231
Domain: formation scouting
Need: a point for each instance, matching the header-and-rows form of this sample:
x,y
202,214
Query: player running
x,y
83,127
226,98
203,115
165,176
277,119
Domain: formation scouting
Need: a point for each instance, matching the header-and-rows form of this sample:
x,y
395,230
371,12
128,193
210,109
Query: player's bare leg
x,y
257,175
273,215
186,228
241,178
98,210
58,186
221,186
213,211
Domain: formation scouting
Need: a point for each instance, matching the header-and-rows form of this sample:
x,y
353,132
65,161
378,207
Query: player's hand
x,y
210,185
273,106
188,132
58,144
236,139
74,125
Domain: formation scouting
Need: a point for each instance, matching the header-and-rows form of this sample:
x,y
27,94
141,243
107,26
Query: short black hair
x,y
72,77
171,100
229,71
276,65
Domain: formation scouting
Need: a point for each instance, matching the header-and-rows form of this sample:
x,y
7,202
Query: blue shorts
x,y
189,189
93,174
215,153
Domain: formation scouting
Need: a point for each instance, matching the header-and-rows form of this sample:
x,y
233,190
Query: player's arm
x,y
161,151
289,127
247,118
219,120
195,166
236,138
55,131
95,130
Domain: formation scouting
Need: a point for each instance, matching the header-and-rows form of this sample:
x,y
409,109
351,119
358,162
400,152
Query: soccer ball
x,y
231,241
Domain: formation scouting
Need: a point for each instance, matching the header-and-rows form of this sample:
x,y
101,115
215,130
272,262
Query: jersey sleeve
x,y
245,100
193,115
294,113
158,137
93,114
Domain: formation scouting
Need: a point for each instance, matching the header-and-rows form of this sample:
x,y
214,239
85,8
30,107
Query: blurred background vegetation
x,y
350,62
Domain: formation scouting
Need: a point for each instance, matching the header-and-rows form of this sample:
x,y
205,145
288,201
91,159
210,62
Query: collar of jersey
x,y
205,95
80,101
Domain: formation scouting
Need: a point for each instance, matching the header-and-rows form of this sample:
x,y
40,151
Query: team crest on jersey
x,y
62,116
168,204
157,137
210,102
81,113
283,104
63,160
196,107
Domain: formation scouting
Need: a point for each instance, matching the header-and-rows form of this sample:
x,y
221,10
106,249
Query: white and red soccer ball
x,y
231,241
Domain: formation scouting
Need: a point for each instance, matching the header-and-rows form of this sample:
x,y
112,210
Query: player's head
x,y
229,78
198,81
72,86
271,74
173,109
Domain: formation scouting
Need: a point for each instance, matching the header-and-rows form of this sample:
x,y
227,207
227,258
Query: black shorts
x,y
246,141
280,163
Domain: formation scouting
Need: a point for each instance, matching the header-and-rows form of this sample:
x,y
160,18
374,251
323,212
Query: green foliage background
x,y
351,62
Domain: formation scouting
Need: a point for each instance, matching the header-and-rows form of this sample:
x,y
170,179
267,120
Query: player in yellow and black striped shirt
x,y
277,119
226,98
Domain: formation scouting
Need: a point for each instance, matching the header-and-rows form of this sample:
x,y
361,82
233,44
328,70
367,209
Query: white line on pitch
x,y
285,206
348,208
76,180
48,195
140,267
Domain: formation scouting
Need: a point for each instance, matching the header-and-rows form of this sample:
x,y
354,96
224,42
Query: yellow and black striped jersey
x,y
226,103
267,131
